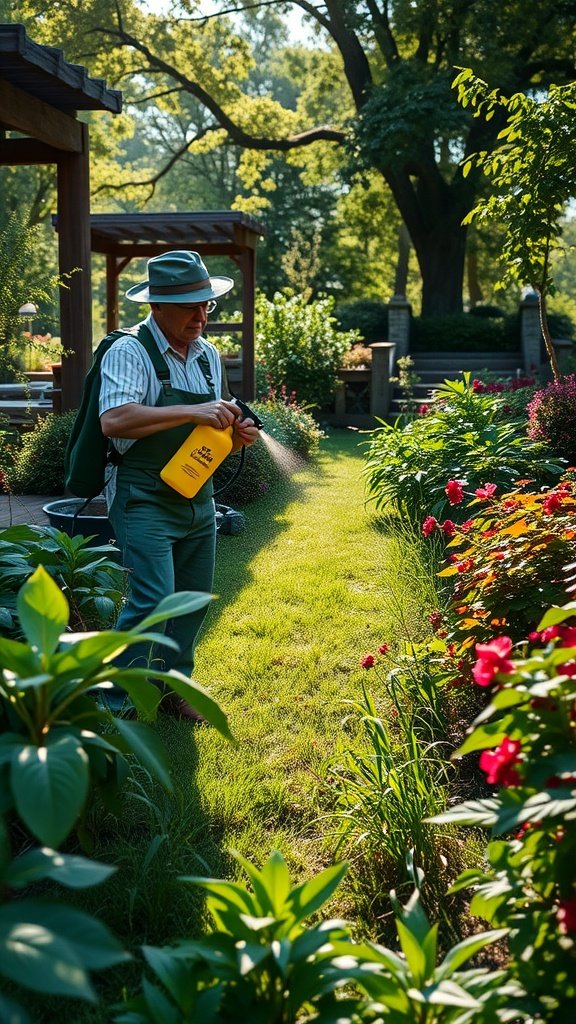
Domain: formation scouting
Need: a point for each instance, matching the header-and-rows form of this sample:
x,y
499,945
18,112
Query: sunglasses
x,y
208,307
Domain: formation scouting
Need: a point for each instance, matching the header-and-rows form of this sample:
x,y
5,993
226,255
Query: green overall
x,y
167,541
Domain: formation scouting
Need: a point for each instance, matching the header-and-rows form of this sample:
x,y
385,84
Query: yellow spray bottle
x,y
201,454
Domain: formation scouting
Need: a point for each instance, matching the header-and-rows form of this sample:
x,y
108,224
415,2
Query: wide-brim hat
x,y
179,276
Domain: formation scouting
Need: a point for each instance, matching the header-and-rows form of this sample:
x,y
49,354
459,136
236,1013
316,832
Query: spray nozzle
x,y
247,411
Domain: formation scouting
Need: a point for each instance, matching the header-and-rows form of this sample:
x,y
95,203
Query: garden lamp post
x,y
27,312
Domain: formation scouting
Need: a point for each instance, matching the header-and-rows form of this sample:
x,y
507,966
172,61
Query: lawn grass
x,y
311,585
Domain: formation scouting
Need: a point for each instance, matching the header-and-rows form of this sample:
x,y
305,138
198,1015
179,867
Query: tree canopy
x,y
372,99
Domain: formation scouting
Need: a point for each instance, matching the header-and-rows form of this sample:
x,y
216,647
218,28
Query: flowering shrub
x,y
552,416
527,740
463,438
507,563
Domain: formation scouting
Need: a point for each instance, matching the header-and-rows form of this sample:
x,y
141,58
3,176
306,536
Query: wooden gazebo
x,y
125,236
40,95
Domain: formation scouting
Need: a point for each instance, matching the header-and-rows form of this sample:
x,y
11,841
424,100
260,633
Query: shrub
x,y
527,743
368,316
463,332
508,562
463,437
487,311
299,347
38,462
552,417
293,435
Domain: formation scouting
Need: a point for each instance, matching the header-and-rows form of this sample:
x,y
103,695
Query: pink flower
x,y
429,525
455,491
487,491
367,661
423,409
448,528
566,915
499,764
383,649
477,386
492,659
550,633
568,636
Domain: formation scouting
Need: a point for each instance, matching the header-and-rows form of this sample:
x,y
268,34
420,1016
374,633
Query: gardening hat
x,y
179,276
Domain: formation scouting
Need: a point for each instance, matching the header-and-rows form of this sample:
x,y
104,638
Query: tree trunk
x,y
441,255
401,274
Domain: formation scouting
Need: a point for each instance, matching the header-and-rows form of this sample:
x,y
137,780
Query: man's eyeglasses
x,y
208,307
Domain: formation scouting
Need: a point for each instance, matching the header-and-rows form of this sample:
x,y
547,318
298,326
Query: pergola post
x,y
248,267
75,269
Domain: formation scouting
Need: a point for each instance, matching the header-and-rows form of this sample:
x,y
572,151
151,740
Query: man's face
x,y
182,323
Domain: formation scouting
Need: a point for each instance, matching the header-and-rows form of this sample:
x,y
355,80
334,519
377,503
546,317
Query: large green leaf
x,y
465,950
305,899
18,658
11,1013
34,955
199,698
147,747
68,869
43,612
182,603
93,943
50,785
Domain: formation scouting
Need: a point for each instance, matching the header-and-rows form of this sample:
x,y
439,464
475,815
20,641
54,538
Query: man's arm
x,y
134,420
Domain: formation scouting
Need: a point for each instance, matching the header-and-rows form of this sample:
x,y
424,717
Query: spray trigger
x,y
247,411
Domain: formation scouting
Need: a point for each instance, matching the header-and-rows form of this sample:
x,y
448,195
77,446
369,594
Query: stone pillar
x,y
530,331
399,313
383,353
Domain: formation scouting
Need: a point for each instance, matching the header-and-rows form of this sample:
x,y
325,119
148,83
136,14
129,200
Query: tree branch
x,y
325,133
383,32
152,182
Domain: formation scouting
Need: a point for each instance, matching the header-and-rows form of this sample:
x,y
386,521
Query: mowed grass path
x,y
301,598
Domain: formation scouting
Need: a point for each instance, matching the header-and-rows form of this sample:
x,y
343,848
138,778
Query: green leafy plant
x,y
366,316
263,963
465,332
298,347
38,461
92,581
381,792
57,746
526,738
463,436
45,945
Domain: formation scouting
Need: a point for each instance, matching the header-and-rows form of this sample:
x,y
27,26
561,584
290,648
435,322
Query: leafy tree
x,y
397,117
532,170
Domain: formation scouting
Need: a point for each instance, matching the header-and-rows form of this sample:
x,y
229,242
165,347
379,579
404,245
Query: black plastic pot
x,y
93,521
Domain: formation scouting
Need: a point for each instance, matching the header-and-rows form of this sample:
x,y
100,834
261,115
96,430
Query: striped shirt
x,y
127,375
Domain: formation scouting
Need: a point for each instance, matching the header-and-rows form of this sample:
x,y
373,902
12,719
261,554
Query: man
x,y
167,541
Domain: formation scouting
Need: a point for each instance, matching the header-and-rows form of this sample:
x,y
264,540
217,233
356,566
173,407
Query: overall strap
x,y
145,336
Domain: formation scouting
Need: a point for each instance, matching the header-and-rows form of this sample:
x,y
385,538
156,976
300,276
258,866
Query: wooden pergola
x,y
122,237
40,95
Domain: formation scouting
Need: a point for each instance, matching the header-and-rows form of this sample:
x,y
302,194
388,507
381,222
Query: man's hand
x,y
245,433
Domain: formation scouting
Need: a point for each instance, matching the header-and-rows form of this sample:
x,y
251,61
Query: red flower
x,y
383,649
567,669
487,491
492,659
435,620
429,525
568,636
454,491
511,504
499,556
465,565
477,386
550,633
423,409
551,503
448,527
467,525
534,636
566,915
367,661
451,650
499,764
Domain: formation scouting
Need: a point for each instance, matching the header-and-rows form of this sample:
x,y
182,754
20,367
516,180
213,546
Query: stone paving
x,y
16,509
